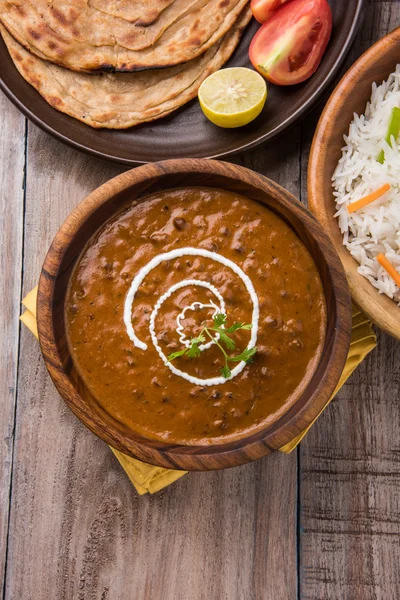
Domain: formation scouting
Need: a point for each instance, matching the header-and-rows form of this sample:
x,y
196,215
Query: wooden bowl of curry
x,y
193,314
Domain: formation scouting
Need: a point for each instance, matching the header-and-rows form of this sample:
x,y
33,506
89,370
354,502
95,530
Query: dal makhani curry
x,y
196,316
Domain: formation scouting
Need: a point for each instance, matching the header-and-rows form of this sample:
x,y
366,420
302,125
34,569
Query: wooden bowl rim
x,y
212,456
378,307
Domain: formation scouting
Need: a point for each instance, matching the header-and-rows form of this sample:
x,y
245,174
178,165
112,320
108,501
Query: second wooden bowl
x,y
100,206
351,96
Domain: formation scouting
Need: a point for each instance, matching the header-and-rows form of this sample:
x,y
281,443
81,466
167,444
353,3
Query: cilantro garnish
x,y
222,339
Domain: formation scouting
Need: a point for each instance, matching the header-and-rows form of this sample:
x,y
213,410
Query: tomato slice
x,y
289,47
264,9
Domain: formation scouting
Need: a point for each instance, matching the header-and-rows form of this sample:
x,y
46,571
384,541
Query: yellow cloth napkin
x,y
147,478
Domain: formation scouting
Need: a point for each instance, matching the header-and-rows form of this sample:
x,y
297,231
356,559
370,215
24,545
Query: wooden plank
x,y
77,526
350,479
350,461
12,146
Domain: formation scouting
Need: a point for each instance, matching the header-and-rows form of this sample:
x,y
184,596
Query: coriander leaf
x,y
222,338
233,327
176,354
194,350
219,319
246,355
237,326
225,339
199,339
226,372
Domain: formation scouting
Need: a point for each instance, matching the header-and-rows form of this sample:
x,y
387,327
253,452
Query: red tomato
x,y
264,9
288,48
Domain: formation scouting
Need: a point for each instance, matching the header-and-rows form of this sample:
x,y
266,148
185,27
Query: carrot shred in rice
x,y
389,268
368,199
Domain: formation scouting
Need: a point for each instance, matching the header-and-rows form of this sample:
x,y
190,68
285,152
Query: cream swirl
x,y
178,253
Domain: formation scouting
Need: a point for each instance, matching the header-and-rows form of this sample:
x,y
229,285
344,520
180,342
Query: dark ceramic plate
x,y
187,133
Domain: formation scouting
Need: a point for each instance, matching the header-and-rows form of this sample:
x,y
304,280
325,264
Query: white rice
x,y
375,228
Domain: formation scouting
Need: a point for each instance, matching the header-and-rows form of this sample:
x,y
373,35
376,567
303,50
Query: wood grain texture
x,y
78,529
12,142
202,538
350,480
350,461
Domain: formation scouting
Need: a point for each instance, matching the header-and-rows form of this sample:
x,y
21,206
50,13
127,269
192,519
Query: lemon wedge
x,y
233,97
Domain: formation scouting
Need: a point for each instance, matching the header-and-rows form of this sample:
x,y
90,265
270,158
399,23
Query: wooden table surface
x,y
322,523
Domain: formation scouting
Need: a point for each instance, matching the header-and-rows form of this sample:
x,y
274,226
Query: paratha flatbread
x,y
121,100
119,35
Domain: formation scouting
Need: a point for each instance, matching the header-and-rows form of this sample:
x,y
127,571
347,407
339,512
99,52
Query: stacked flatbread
x,y
118,63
